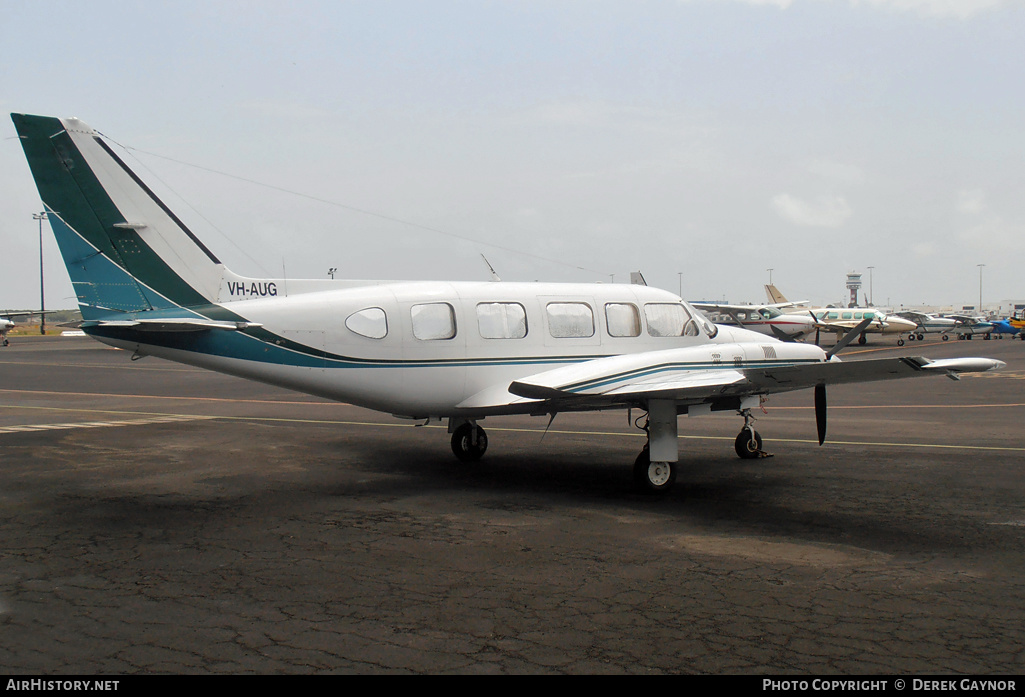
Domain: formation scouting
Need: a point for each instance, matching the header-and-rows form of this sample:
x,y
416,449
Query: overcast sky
x,y
565,141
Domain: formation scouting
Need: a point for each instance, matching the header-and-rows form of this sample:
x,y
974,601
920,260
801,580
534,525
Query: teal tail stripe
x,y
100,285
69,188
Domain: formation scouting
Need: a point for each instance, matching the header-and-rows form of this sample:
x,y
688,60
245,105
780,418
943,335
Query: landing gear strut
x,y
749,444
655,467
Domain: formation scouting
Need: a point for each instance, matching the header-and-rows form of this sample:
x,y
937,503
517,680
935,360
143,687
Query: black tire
x,y
653,478
945,337
744,447
900,342
911,337
463,443
921,337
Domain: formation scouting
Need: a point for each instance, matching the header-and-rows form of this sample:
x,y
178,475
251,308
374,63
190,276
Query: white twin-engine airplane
x,y
423,350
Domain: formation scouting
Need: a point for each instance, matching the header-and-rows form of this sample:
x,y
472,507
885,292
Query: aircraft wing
x,y
913,316
26,313
722,307
634,379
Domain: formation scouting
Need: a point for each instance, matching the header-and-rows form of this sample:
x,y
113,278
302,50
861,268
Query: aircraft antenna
x,y
491,269
354,209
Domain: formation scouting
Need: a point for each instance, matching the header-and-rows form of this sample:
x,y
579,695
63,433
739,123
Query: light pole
x,y
871,293
680,274
331,272
770,275
980,286
42,295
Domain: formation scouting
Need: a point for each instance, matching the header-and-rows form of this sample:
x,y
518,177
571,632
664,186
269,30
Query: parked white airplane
x,y
928,323
7,323
843,319
457,351
968,326
764,319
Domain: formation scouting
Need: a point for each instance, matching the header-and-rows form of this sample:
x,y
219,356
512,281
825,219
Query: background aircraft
x,y
778,300
1004,326
928,323
843,319
460,351
968,326
840,320
7,323
764,319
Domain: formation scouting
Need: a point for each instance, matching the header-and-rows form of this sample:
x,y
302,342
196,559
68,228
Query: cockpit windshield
x,y
707,326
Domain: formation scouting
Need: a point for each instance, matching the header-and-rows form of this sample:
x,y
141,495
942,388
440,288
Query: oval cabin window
x,y
371,323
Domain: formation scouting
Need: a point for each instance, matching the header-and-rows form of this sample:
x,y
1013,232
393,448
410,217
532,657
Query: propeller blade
x,y
820,412
780,334
848,337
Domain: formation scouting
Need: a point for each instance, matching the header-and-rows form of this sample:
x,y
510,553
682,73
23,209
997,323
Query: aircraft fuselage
x,y
422,349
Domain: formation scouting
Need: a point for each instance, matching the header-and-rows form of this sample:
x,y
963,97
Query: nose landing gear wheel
x,y
748,444
469,442
653,477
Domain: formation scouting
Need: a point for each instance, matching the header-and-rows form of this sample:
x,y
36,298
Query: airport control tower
x,y
853,285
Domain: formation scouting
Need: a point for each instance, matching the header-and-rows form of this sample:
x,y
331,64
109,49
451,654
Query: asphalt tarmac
x,y
156,518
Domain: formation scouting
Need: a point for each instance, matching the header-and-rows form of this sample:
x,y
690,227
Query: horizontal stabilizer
x,y
172,325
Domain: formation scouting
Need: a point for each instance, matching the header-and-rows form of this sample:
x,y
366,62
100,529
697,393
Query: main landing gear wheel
x,y
653,477
469,442
749,444
945,337
900,342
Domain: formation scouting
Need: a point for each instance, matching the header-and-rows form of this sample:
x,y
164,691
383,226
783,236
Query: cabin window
x,y
622,319
569,320
670,319
501,320
846,315
433,321
371,323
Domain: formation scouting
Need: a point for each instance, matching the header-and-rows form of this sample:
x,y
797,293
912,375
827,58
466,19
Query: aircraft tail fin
x,y
124,249
775,297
